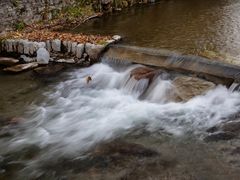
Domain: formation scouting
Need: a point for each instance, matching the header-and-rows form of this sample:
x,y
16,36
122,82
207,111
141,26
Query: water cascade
x,y
78,114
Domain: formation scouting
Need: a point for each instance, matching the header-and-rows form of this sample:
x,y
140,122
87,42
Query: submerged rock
x,y
43,56
124,149
143,73
21,67
50,70
189,87
8,61
233,127
218,136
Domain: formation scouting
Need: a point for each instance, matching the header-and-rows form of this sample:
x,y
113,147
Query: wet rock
x,y
43,56
189,87
212,129
50,70
116,37
233,126
124,149
27,59
93,50
8,61
69,61
79,50
143,73
56,45
220,136
21,67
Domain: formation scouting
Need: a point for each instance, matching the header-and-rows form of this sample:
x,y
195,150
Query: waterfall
x,y
235,87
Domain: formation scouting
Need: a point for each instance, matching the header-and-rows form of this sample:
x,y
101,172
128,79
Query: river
x,y
105,129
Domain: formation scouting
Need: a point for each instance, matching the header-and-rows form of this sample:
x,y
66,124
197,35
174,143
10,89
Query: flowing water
x,y
115,127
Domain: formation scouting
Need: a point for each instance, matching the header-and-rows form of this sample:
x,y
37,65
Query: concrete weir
x,y
209,69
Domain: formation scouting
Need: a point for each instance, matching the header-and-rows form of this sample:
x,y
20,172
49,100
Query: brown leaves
x,y
43,35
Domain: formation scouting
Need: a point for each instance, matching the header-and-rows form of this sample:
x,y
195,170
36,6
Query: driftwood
x,y
98,15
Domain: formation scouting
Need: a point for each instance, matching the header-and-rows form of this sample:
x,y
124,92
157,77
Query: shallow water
x,y
188,26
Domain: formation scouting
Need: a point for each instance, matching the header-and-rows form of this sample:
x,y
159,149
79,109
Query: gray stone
x,y
80,50
32,48
21,46
186,88
74,48
69,46
93,50
43,56
26,46
56,45
48,46
9,45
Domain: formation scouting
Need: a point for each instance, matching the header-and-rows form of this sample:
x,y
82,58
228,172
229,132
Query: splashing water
x,y
78,114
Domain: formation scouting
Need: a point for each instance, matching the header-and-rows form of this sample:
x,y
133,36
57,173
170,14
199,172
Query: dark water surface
x,y
188,26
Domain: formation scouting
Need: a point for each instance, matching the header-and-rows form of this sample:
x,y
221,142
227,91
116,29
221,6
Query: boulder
x,y
21,67
186,88
94,50
8,61
43,56
56,45
49,70
80,50
143,73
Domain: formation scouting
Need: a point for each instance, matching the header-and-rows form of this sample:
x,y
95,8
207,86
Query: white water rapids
x,y
78,115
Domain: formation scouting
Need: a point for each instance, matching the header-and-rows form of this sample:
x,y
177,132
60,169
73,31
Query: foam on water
x,y
77,115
